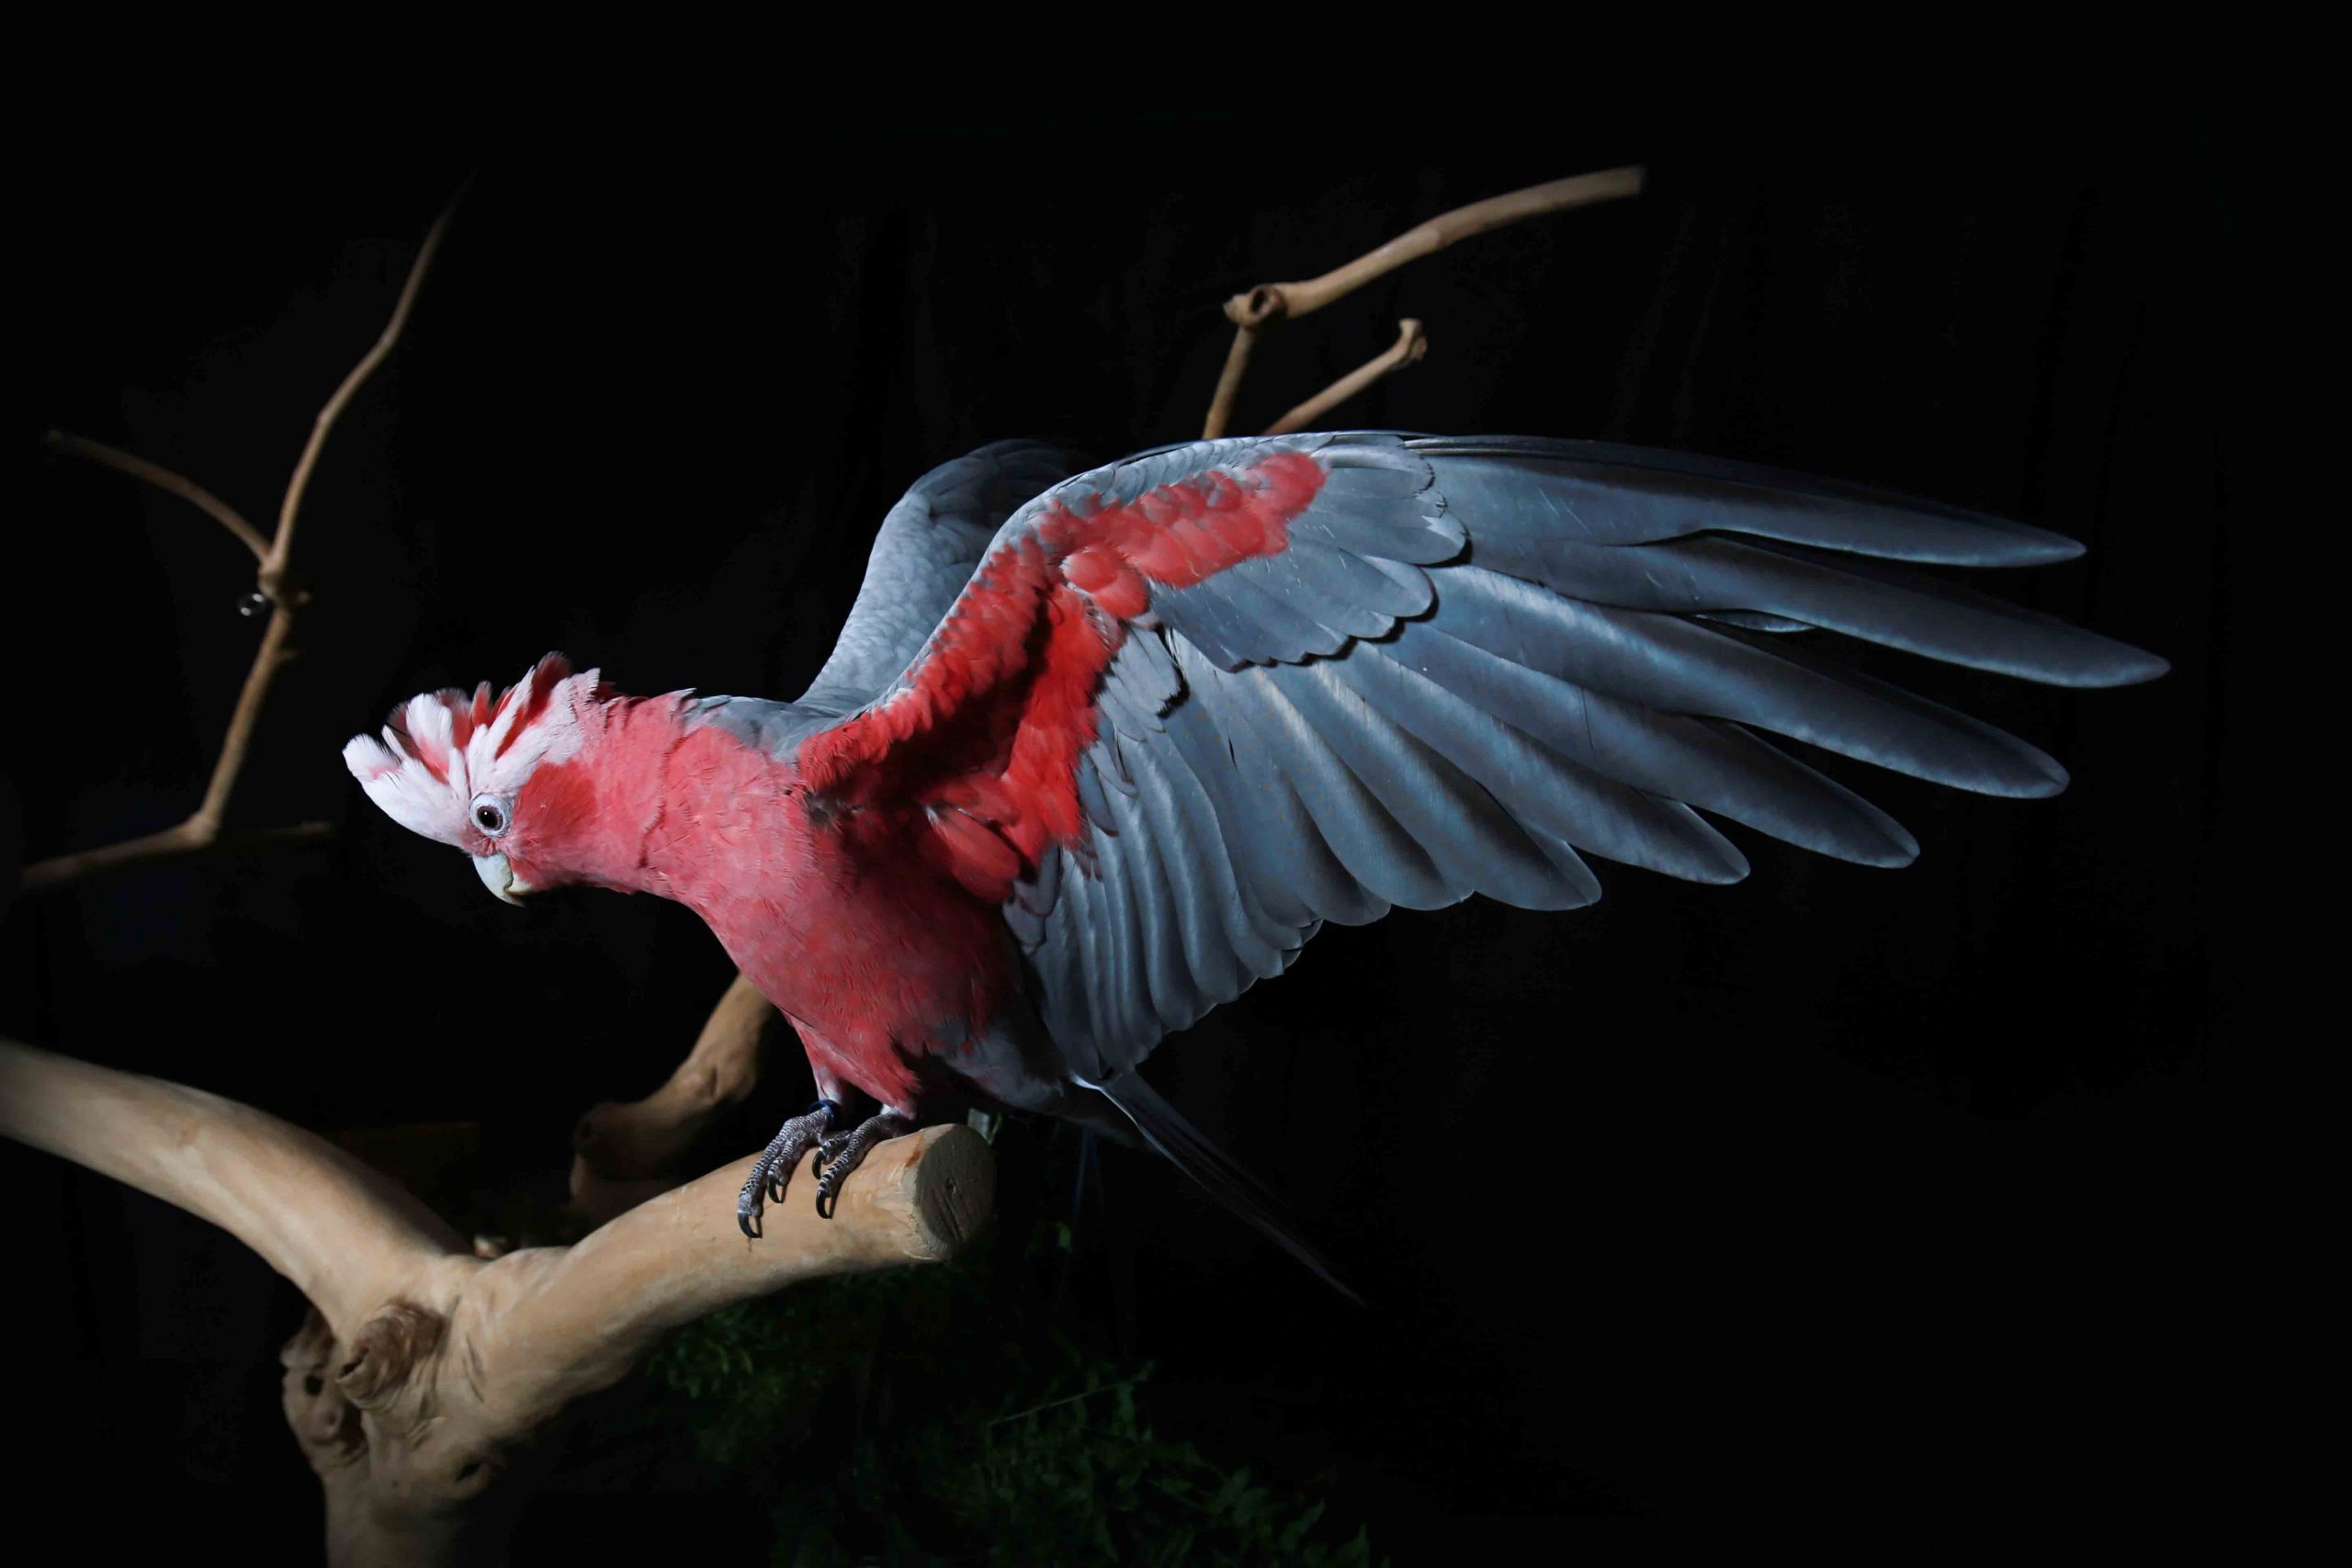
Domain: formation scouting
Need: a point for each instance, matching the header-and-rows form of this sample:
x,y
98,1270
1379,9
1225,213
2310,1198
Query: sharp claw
x,y
838,1157
829,1188
777,1162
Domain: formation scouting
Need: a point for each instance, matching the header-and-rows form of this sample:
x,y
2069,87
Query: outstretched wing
x,y
923,555
1193,704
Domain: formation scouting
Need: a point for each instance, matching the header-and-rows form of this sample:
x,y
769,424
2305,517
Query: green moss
x,y
946,1425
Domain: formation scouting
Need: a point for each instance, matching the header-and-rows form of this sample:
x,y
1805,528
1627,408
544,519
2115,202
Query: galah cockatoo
x,y
1097,751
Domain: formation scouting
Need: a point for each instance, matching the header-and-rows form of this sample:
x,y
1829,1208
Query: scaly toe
x,y
839,1156
777,1162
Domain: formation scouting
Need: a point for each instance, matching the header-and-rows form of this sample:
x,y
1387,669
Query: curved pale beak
x,y
498,877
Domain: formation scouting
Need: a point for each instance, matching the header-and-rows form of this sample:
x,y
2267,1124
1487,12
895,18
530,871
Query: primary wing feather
x,y
1228,690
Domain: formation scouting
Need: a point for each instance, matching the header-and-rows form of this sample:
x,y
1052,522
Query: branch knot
x,y
1260,307
387,1352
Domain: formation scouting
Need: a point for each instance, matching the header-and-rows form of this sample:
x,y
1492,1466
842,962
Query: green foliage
x,y
1082,1478
909,1418
745,1392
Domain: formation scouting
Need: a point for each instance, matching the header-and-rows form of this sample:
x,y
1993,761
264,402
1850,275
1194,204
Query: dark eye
x,y
489,814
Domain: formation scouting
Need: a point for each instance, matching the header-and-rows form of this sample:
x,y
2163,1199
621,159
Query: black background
x,y
1838,1189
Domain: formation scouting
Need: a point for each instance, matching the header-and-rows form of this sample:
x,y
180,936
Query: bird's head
x,y
496,778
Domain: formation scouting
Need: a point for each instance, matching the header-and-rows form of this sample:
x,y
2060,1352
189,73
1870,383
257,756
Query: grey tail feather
x,y
1182,1143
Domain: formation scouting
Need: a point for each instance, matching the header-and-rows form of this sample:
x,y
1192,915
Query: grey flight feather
x,y
1476,662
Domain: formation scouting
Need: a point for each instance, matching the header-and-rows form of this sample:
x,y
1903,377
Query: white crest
x,y
442,749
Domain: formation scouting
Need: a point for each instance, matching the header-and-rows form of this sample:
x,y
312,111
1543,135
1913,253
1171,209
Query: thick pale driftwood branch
x,y
202,828
345,1234
423,1390
1258,309
163,478
625,1152
562,1323
1408,349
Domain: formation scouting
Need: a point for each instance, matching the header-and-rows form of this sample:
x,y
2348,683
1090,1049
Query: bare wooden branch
x,y
1268,303
1292,301
163,478
203,829
345,1234
268,658
424,1386
558,1323
274,578
1408,349
181,838
624,1153
1229,382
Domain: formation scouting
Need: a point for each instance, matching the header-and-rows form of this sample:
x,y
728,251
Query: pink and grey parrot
x,y
1098,750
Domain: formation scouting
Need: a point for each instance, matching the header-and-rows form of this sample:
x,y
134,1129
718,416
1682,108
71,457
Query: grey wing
x,y
1477,662
922,557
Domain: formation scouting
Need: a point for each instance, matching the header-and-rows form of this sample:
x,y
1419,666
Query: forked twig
x,y
1261,308
163,478
202,828
1408,349
187,838
274,580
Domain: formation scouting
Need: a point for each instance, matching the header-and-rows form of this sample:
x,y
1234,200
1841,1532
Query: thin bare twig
x,y
1408,349
183,839
163,478
1253,312
1229,382
202,828
1293,300
268,659
274,566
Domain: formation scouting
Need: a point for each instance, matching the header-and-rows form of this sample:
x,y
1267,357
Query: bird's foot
x,y
842,1154
778,1160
